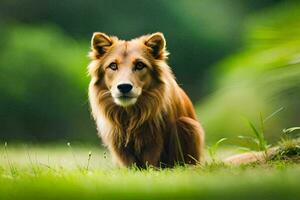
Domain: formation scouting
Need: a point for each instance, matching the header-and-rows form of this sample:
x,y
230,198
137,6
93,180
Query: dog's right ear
x,y
100,44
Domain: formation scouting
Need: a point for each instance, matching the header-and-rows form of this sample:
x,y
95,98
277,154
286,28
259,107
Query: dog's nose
x,y
124,88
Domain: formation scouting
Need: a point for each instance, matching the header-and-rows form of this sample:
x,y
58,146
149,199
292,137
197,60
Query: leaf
x,y
262,126
259,135
274,113
213,149
255,131
244,149
220,141
289,130
245,137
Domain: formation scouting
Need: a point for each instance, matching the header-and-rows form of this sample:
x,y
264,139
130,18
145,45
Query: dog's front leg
x,y
122,157
151,153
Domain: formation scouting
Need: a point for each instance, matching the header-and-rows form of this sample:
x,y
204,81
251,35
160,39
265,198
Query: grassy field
x,y
80,172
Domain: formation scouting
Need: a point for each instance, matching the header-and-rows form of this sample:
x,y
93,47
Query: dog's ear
x,y
157,44
100,44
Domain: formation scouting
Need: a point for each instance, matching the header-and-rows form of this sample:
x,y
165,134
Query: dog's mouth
x,y
125,97
125,100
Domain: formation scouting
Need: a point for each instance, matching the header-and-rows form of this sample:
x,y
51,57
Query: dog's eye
x,y
113,66
139,66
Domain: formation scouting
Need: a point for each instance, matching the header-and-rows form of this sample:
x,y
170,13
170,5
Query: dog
x,y
142,115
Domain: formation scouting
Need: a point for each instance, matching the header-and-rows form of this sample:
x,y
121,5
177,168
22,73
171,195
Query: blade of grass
x,y
255,131
273,114
289,130
213,149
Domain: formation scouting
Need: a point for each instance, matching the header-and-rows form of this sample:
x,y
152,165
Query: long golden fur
x,y
156,123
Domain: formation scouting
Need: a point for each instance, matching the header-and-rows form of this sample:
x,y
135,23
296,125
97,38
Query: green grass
x,y
61,172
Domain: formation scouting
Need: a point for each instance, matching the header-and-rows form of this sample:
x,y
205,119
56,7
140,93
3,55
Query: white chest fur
x,y
104,127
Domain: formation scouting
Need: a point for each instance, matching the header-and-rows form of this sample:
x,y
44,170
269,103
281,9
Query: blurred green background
x,y
235,59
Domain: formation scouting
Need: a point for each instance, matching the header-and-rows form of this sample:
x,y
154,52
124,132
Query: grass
x,y
258,133
61,172
212,150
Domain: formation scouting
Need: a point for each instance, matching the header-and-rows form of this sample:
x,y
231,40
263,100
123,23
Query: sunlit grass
x,y
58,172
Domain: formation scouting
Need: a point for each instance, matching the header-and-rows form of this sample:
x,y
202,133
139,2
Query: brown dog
x,y
142,115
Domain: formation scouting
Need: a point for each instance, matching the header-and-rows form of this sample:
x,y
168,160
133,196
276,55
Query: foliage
x,y
190,24
262,76
43,85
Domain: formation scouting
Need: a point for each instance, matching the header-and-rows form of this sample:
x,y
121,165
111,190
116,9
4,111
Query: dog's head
x,y
125,69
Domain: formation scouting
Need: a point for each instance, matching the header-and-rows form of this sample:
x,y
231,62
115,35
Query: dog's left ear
x,y
157,44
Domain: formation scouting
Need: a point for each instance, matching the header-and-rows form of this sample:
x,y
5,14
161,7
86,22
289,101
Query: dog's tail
x,y
286,150
251,157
